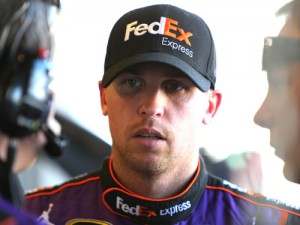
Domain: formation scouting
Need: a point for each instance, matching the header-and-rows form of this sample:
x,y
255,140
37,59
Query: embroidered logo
x,y
45,216
166,27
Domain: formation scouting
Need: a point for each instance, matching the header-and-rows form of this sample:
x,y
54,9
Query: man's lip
x,y
149,131
279,154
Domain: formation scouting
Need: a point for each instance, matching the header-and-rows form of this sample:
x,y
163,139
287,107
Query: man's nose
x,y
153,104
263,116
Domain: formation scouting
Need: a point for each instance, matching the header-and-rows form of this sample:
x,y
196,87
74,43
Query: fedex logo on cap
x,y
166,26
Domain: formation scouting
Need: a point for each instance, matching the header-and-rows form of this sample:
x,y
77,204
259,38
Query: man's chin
x,y
291,174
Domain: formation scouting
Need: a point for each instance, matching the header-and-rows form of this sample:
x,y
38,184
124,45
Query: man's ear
x,y
214,98
102,91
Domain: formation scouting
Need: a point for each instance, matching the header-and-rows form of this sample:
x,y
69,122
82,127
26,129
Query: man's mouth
x,y
150,136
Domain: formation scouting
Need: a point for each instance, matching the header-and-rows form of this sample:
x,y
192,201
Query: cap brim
x,y
200,80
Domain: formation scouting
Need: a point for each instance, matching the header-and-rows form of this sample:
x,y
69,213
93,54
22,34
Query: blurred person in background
x,y
158,91
27,123
280,111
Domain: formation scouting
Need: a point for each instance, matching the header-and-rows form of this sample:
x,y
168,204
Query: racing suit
x,y
99,198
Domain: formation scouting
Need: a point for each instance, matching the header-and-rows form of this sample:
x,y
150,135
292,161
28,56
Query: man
x,y
280,111
26,102
158,91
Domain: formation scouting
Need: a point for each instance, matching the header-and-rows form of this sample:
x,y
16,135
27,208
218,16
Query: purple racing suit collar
x,y
171,210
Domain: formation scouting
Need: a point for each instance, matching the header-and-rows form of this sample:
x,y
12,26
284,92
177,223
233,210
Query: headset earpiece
x,y
25,99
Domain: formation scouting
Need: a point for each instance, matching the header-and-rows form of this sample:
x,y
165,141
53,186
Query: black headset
x,y
25,100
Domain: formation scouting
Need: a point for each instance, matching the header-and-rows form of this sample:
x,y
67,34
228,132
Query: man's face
x,y
28,151
155,116
280,111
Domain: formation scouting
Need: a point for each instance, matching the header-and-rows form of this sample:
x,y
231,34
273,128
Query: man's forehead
x,y
285,72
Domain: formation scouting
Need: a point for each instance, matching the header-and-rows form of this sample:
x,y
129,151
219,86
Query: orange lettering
x,y
169,26
184,36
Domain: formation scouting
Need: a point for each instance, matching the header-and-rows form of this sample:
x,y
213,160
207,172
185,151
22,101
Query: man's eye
x,y
174,86
132,83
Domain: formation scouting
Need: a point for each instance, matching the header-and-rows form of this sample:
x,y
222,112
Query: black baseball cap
x,y
162,33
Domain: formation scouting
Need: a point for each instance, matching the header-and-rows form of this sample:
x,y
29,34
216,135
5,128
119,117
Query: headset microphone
x,y
56,144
